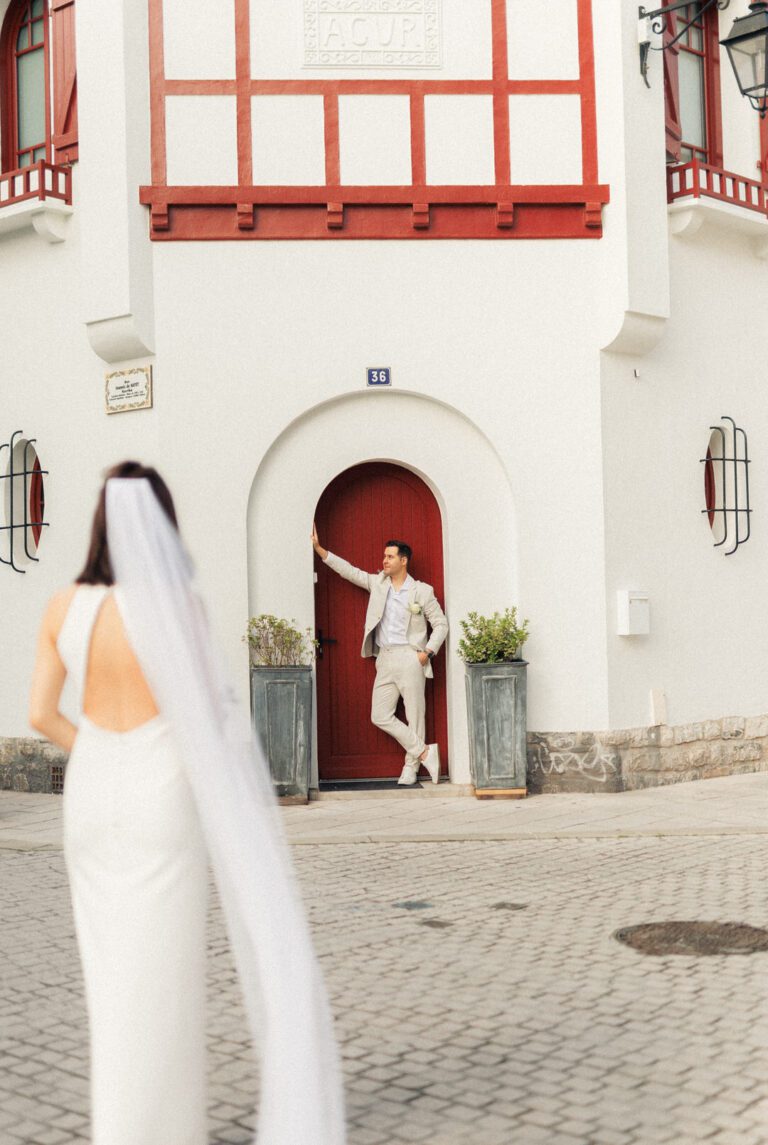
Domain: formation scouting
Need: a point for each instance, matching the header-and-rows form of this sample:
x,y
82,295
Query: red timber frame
x,y
333,211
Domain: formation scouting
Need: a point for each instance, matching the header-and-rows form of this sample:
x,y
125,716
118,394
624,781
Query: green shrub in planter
x,y
492,639
276,643
281,700
495,676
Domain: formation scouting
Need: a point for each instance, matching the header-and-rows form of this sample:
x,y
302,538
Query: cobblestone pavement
x,y
479,995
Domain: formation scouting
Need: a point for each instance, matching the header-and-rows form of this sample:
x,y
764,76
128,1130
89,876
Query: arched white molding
x,y
118,339
685,220
446,450
638,335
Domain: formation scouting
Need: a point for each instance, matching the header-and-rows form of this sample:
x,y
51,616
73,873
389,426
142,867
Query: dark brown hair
x,y
403,550
98,568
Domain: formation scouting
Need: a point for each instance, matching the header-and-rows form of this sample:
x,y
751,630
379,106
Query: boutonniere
x,y
415,608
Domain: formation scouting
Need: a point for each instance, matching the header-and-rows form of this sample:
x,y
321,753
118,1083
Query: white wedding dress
x,y
144,811
138,876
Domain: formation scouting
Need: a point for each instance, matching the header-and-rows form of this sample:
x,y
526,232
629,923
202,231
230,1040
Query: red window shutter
x,y
64,81
674,129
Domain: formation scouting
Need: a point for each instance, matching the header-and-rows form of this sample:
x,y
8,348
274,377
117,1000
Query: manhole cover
x,y
412,904
509,906
437,923
698,938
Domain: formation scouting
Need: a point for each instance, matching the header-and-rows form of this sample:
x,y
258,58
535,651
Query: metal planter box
x,y
496,705
281,713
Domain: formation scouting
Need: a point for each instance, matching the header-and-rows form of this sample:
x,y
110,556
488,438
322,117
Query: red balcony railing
x,y
696,180
40,181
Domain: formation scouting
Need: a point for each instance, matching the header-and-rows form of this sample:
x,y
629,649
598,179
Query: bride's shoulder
x,y
57,608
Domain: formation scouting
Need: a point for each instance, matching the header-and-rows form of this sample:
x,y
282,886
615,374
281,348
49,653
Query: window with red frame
x,y
692,86
28,89
38,84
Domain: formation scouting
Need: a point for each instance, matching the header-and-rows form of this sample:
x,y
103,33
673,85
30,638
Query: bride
x,y
159,783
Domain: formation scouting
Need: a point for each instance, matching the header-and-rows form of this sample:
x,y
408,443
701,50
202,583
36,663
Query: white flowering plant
x,y
276,643
492,639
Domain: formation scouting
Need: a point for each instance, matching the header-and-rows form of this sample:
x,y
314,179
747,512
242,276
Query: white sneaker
x,y
432,762
409,775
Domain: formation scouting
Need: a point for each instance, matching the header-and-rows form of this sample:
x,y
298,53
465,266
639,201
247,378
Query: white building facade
x,y
262,200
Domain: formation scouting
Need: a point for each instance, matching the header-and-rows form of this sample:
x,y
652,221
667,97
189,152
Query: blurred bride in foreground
x,y
158,783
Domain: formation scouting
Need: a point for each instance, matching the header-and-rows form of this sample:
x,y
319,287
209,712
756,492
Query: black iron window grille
x,y
23,493
726,485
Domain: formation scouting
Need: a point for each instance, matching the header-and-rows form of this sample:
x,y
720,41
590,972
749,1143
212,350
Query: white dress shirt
x,y
392,627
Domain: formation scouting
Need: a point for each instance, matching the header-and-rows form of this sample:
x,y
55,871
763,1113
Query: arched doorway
x,y
357,513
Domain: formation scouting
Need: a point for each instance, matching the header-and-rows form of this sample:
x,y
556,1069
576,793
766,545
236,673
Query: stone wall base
x,y
29,764
622,760
631,758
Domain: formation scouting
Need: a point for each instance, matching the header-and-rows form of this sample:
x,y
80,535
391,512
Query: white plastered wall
x,y
506,342
52,388
256,340
707,645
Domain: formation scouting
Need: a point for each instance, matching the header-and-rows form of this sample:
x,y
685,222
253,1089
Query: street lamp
x,y
747,44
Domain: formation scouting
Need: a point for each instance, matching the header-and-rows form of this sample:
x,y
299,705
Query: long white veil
x,y
301,1095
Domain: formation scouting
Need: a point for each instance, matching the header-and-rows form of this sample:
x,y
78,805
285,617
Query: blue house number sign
x,y
381,376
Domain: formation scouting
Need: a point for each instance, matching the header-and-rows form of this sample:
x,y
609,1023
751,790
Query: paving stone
x,y
539,1027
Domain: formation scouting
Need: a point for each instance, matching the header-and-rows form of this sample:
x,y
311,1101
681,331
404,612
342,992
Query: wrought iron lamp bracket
x,y
653,23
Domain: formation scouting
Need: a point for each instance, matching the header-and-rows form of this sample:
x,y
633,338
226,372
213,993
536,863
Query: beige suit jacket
x,y
377,584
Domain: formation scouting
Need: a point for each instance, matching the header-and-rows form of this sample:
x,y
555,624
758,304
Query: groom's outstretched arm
x,y
339,565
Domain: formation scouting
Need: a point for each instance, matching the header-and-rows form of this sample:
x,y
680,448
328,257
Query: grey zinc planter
x,y
496,707
281,713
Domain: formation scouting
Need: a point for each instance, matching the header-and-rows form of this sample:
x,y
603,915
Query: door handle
x,y
321,640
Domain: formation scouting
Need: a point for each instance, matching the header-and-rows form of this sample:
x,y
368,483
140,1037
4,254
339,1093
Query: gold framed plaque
x,y
128,390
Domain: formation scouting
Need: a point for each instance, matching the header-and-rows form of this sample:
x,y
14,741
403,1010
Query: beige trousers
x,y
400,673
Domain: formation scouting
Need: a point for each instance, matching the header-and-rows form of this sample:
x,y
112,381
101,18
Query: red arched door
x,y
357,514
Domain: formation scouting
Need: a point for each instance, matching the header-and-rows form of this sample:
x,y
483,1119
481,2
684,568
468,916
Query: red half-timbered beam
x,y
157,85
418,140
338,221
331,118
243,83
588,96
372,87
500,90
351,193
334,210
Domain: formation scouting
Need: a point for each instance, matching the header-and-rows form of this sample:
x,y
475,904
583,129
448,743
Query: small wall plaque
x,y
379,376
128,390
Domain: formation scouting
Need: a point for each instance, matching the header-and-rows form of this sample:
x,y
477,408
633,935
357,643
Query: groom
x,y
396,634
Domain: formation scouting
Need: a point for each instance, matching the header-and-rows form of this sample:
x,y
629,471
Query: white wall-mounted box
x,y
633,613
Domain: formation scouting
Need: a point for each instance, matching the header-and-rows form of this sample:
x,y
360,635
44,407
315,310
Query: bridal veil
x,y
301,1099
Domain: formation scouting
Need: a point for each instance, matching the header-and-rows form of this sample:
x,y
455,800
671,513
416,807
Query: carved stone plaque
x,y
372,34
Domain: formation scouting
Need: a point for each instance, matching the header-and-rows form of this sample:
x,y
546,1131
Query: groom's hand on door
x,y
321,552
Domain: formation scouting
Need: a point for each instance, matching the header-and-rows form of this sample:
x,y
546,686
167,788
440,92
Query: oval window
x,y
24,503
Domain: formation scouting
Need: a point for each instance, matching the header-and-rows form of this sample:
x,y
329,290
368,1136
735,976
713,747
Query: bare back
x,y
116,694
